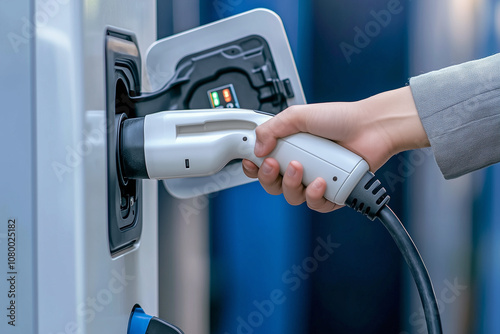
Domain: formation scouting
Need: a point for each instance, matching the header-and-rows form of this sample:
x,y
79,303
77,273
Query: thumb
x,y
286,123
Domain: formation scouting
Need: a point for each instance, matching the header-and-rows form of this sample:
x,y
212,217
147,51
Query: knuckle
x,y
294,199
314,204
321,208
292,109
260,131
296,203
251,175
273,187
273,191
290,183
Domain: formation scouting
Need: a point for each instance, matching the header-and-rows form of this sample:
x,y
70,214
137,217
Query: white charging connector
x,y
194,143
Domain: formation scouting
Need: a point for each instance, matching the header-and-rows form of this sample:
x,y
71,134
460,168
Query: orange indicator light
x,y
227,95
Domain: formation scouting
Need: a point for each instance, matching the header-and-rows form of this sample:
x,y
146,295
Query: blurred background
x,y
243,261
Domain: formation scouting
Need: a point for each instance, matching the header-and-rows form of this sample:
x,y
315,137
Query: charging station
x,y
78,240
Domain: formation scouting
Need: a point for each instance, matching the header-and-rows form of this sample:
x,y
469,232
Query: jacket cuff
x,y
459,107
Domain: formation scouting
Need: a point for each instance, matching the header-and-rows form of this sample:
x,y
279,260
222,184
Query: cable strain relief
x,y
368,197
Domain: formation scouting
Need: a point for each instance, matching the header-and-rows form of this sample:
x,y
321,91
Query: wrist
x,y
394,116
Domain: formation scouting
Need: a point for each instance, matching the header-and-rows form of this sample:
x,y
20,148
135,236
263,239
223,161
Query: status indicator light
x,y
223,97
227,95
215,99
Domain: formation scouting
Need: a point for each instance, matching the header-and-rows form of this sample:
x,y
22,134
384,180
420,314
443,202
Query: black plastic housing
x,y
368,197
247,64
123,80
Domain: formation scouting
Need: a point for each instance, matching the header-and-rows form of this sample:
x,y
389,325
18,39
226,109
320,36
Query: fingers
x,y
315,197
269,176
295,193
290,184
293,189
250,169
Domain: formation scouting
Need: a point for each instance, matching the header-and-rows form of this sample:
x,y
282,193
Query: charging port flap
x,y
244,61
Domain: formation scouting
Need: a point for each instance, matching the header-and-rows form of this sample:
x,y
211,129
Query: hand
x,y
375,129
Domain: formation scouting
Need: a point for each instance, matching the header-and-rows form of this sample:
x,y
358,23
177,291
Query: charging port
x,y
123,80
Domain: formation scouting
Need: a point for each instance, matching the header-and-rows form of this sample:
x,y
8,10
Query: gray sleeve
x,y
459,107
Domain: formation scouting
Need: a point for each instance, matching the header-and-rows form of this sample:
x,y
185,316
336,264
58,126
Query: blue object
x,y
139,321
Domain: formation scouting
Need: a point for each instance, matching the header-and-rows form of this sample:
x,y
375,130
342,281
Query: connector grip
x,y
340,168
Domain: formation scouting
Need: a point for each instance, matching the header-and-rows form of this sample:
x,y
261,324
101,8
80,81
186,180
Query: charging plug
x,y
188,143
142,323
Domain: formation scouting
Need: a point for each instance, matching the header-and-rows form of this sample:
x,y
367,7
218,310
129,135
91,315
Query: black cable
x,y
370,199
416,265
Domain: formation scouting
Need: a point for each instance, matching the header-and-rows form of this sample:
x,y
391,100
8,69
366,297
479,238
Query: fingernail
x,y
316,184
259,147
266,168
291,171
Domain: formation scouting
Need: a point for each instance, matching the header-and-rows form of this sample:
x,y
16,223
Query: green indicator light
x,y
215,98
